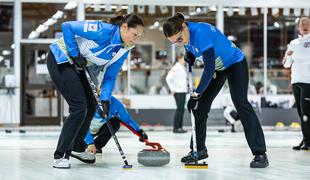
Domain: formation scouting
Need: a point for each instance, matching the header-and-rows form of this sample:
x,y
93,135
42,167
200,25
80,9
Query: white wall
x,y
155,36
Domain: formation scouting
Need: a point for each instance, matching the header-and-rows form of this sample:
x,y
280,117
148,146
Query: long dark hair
x,y
131,19
173,25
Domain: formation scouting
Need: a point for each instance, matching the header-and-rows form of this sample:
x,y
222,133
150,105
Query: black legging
x,y
178,116
104,135
76,91
238,79
302,97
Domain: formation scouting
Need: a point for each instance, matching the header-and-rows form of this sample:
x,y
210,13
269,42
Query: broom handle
x,y
94,90
191,90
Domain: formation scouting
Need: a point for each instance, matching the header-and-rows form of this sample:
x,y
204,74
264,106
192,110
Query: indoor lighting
x,y
254,11
297,11
274,11
6,52
130,9
276,24
241,11
41,28
286,11
152,9
230,11
33,35
70,5
58,14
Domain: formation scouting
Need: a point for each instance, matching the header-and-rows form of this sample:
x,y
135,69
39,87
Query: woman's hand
x,y
289,53
284,60
91,148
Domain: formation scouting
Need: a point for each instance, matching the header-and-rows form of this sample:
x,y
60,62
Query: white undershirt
x,y
300,59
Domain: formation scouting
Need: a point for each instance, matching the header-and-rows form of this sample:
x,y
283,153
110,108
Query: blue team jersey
x,y
204,36
99,42
117,110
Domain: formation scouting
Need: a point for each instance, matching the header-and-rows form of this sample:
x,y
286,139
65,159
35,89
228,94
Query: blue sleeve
x,y
86,29
118,110
110,77
208,70
89,139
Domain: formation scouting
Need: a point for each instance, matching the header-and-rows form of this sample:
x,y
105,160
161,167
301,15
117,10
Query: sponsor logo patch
x,y
92,27
307,44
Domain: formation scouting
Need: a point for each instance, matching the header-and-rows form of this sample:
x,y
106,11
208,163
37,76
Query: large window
x,y
6,44
40,100
43,20
244,27
281,30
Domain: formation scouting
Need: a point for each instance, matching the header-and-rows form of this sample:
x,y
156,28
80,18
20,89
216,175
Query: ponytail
x,y
131,19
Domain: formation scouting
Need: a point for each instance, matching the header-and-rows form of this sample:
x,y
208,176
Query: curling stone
x,y
280,126
157,156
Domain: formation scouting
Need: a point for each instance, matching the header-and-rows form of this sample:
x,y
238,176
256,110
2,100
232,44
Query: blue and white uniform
x,y
100,43
117,110
204,36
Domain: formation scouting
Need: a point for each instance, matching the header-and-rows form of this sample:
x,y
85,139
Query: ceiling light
x,y
70,5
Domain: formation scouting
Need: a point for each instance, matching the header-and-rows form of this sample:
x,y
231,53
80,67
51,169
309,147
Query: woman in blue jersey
x,y
99,134
83,43
222,60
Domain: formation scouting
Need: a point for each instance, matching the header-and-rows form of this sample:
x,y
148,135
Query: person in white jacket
x,y
297,57
177,82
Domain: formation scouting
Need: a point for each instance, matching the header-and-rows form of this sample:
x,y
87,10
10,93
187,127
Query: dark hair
x,y
173,25
131,19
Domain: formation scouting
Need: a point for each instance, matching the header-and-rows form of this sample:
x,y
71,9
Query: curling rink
x,y
30,156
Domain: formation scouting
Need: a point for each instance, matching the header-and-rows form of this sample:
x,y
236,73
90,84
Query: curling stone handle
x,y
154,145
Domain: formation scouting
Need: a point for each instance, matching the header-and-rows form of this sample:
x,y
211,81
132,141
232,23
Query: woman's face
x,y
304,26
130,35
181,38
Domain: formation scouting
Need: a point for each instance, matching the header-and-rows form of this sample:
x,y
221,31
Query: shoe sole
x,y
83,160
199,158
61,167
259,166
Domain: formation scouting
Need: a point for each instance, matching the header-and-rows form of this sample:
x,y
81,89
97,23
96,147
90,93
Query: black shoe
x,y
179,130
98,151
203,154
305,147
301,144
260,161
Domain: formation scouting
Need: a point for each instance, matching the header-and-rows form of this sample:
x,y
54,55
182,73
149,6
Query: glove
x,y
143,135
192,103
79,60
189,58
104,112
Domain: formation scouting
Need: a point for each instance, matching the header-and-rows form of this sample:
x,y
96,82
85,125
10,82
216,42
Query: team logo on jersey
x,y
92,27
307,44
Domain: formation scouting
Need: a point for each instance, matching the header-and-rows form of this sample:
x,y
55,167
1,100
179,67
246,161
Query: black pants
x,y
103,136
302,97
76,91
178,116
238,79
